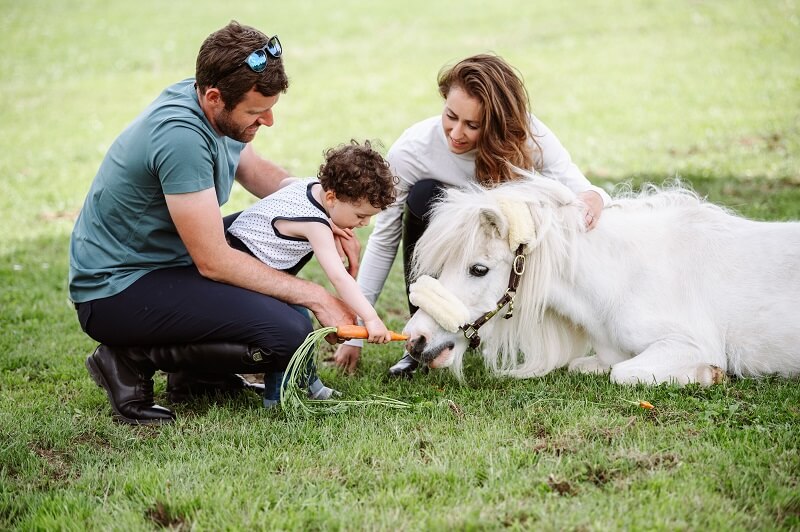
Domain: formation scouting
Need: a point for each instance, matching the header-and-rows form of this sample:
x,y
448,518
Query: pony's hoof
x,y
709,375
718,376
404,368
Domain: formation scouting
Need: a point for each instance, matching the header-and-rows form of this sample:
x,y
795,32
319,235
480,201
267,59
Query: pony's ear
x,y
494,224
521,228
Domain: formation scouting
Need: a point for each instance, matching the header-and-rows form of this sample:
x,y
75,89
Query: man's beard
x,y
227,127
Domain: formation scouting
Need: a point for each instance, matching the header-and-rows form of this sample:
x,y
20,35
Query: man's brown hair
x,y
221,64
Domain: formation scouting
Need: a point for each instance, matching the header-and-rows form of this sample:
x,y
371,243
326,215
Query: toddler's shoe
x,y
319,392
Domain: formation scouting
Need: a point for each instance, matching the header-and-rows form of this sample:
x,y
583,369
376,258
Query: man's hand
x,y
331,311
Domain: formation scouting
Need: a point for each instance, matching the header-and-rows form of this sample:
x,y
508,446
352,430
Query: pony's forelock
x,y
453,232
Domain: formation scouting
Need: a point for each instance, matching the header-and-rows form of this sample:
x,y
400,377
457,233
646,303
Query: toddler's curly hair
x,y
356,172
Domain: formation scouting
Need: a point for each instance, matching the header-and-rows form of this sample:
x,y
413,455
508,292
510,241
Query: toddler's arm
x,y
321,239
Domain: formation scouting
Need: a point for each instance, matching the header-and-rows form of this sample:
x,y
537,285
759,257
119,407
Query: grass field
x,y
637,91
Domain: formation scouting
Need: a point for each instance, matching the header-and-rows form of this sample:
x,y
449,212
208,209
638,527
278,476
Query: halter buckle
x,y
471,334
470,331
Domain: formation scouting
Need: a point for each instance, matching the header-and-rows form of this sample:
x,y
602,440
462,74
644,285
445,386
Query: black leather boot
x,y
213,358
406,367
126,373
185,385
127,377
209,369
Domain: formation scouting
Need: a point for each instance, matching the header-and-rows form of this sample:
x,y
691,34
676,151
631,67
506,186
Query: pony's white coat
x,y
666,288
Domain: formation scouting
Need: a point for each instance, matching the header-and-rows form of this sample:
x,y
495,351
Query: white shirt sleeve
x,y
557,163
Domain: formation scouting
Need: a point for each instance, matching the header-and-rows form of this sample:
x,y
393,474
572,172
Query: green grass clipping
x,y
294,399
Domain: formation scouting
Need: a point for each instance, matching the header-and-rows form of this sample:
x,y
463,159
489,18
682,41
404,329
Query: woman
x,y
485,131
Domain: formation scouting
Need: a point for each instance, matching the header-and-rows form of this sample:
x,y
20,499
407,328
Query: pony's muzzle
x,y
420,351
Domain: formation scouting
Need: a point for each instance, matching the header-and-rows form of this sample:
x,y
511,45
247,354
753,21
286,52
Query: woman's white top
x,y
422,152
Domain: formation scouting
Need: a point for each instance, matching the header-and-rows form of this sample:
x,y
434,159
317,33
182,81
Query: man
x,y
152,276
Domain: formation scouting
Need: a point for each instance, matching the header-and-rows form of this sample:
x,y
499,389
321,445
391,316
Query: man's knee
x,y
283,337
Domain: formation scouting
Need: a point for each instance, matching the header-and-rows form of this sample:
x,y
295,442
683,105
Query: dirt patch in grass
x,y
424,447
94,440
600,475
57,463
562,487
165,517
555,447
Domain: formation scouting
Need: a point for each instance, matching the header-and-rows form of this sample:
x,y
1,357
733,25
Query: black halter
x,y
517,269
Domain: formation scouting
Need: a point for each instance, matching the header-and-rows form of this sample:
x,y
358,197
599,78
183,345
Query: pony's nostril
x,y
415,346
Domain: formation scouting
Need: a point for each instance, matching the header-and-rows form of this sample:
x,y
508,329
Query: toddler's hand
x,y
378,333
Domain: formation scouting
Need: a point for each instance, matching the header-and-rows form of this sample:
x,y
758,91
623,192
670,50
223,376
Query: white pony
x,y
666,288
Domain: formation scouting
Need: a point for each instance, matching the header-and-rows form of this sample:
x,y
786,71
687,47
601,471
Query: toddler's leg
x,y
316,389
272,388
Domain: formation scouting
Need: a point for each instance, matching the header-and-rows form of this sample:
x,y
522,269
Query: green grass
x,y
637,91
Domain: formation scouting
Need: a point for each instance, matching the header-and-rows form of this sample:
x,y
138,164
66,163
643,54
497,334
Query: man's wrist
x,y
316,296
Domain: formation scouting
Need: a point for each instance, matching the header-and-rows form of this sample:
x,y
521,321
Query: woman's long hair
x,y
506,141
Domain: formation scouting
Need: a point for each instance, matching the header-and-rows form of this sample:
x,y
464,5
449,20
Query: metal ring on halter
x,y
519,264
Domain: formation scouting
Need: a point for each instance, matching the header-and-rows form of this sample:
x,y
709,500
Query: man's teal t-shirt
x,y
124,229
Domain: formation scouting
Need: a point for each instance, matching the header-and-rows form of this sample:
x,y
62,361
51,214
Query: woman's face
x,y
461,120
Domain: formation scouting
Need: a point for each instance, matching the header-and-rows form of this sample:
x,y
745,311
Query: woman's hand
x,y
594,207
346,358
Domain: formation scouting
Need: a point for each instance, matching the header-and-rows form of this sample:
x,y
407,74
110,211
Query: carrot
x,y
349,332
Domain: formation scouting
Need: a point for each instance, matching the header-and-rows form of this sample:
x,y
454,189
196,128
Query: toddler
x,y
299,220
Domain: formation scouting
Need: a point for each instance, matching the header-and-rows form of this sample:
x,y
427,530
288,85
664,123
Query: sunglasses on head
x,y
258,59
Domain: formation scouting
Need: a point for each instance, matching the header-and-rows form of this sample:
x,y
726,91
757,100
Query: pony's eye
x,y
478,270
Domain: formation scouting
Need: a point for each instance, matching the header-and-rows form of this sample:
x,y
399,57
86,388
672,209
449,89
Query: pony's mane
x,y
453,231
673,193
